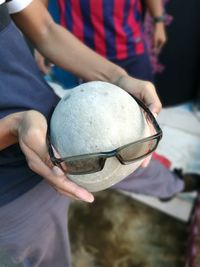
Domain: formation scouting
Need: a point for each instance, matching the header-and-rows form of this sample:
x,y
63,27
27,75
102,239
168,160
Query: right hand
x,y
31,133
143,90
146,92
159,37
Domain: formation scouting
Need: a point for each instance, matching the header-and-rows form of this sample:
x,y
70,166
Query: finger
x,y
156,47
63,193
146,162
159,46
46,70
69,188
56,177
151,127
151,98
41,63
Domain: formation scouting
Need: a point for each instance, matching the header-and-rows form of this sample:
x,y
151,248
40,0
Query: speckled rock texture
x,y
97,117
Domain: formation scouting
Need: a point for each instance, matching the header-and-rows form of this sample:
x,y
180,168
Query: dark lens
x,y
84,166
137,150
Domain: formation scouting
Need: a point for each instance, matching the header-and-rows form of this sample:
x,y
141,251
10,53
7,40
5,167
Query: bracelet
x,y
161,18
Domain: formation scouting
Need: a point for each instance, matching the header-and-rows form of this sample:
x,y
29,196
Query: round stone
x,y
97,117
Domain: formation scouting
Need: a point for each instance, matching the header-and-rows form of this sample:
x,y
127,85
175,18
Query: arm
x,y
156,10
29,129
63,48
66,51
155,7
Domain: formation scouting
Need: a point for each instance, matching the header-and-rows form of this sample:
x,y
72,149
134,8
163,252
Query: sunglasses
x,y
127,154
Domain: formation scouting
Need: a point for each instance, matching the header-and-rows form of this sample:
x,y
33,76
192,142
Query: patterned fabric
x,y
157,66
111,28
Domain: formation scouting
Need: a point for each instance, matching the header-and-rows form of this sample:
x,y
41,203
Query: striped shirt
x,y
110,27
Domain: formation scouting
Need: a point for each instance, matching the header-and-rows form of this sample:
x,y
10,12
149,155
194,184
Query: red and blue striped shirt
x,y
110,27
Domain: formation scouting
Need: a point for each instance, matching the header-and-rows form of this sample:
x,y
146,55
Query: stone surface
x,y
97,117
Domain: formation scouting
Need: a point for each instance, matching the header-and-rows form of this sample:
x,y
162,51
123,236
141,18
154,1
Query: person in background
x,y
114,29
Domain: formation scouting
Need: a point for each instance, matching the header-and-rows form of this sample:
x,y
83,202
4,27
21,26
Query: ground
x,y
117,231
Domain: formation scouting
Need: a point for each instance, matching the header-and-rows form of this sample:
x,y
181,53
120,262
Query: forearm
x,y
66,51
45,2
155,7
8,129
62,48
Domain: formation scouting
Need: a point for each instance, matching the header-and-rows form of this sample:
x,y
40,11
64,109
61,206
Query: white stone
x,y
97,117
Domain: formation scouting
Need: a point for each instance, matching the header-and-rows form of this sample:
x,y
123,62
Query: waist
x,y
4,16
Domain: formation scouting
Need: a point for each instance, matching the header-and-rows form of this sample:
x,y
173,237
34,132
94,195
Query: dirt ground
x,y
117,231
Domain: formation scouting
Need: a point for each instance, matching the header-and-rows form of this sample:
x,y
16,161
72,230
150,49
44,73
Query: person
x,y
35,195
114,29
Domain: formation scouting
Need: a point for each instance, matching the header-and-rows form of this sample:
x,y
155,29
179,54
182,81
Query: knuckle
x,y
62,180
31,165
48,161
150,86
160,106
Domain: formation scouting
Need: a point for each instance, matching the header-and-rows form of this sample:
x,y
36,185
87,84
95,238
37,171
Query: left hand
x,y
159,37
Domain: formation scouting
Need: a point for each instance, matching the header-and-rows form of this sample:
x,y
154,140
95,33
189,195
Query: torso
x,y
110,27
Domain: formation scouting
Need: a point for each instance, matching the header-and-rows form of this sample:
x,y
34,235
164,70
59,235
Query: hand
x,y
42,65
146,92
159,37
31,133
147,160
143,90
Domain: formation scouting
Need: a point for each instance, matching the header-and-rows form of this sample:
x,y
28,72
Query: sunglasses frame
x,y
114,153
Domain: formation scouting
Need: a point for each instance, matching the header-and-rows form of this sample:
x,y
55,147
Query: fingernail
x,y
155,115
57,171
145,165
85,196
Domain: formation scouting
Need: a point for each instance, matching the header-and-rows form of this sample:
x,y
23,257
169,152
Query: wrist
x,y
119,77
160,26
159,19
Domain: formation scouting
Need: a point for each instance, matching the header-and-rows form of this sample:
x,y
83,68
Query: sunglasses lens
x,y
84,166
137,150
